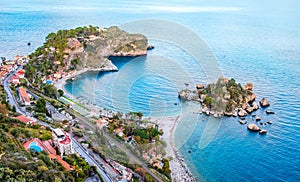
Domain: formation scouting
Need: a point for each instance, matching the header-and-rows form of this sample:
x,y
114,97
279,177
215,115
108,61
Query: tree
x,y
41,106
50,90
14,109
61,92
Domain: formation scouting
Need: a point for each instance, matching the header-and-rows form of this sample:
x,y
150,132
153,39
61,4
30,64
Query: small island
x,y
225,97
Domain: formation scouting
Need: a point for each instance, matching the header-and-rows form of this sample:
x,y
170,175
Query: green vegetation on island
x,y
225,97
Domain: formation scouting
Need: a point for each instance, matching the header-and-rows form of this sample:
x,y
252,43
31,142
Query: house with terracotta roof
x,y
119,132
38,145
14,79
20,73
102,122
24,96
25,119
62,141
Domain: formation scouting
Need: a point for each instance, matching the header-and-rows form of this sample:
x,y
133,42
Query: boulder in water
x,y
253,127
270,112
242,113
255,106
249,86
262,132
264,102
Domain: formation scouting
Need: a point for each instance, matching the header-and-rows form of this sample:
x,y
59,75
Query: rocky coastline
x,y
225,98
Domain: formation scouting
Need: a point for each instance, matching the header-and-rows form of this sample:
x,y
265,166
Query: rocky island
x,y
225,97
82,49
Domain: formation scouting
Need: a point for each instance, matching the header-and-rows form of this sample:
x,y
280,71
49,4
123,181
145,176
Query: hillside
x,y
82,48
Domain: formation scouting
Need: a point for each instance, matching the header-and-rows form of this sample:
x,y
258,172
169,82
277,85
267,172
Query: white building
x,y
62,141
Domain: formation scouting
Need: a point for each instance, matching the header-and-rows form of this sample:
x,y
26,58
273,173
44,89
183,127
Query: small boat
x,y
269,122
257,118
186,84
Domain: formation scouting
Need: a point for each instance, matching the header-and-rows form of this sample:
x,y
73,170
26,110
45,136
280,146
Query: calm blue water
x,y
253,41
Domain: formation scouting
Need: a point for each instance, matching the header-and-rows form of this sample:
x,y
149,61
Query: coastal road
x,y
84,120
83,153
11,99
132,156
77,147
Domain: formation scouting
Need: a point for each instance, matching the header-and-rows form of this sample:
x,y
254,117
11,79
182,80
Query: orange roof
x,y
61,161
118,130
24,94
24,119
101,121
50,149
20,72
13,78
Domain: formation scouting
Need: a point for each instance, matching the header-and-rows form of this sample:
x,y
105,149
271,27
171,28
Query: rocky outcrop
x,y
270,112
264,102
242,113
199,86
253,127
150,47
255,106
263,131
249,86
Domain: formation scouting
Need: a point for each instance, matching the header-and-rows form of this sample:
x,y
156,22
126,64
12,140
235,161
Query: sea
x,y
195,42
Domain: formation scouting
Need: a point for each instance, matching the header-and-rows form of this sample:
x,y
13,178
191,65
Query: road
x,y
77,147
83,153
11,99
132,156
84,120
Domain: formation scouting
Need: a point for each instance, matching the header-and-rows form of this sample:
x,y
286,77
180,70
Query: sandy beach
x,y
180,172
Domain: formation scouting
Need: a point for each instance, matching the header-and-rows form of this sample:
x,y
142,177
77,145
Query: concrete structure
x,y
62,141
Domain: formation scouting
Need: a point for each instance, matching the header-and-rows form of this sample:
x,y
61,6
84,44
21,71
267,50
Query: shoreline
x,y
179,169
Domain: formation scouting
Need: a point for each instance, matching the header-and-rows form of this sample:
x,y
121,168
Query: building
x,y
62,141
14,79
26,120
102,123
21,60
46,146
20,73
24,97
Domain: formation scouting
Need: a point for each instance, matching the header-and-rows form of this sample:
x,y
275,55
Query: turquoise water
x,y
35,147
253,41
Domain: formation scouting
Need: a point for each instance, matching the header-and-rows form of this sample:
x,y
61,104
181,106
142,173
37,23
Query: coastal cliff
x,y
83,48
